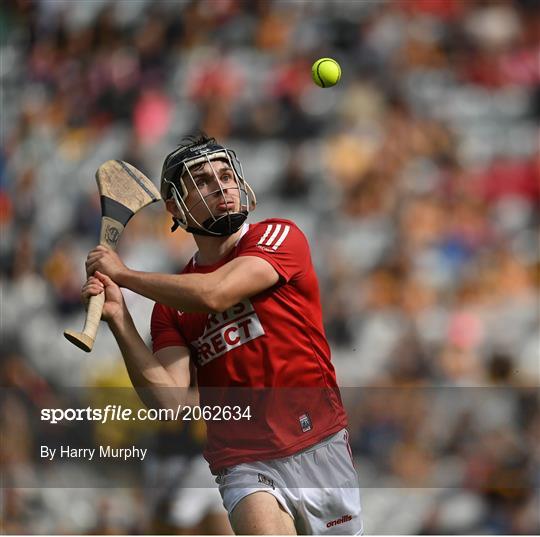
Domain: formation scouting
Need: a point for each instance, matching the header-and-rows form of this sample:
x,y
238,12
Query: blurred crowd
x,y
416,180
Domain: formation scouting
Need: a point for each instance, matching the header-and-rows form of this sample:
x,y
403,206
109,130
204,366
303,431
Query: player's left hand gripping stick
x,y
124,190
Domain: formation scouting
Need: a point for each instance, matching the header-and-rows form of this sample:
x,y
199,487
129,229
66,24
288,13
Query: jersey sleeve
x,y
165,328
282,244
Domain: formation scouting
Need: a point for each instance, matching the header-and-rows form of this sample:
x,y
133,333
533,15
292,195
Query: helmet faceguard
x,y
176,176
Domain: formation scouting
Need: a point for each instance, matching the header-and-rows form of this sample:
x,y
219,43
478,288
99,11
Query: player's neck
x,y
213,249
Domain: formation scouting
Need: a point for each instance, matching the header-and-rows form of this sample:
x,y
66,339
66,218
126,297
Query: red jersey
x,y
272,340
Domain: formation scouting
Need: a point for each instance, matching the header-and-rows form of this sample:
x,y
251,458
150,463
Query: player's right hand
x,y
114,300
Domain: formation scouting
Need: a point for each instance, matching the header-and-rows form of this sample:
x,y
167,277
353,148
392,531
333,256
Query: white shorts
x,y
318,487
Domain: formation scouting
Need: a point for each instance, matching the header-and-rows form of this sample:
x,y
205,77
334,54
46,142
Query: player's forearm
x,y
153,384
185,292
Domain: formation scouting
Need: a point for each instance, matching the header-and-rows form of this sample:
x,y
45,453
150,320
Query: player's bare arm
x,y
214,292
150,374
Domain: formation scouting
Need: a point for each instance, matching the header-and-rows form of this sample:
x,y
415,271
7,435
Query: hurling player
x,y
244,316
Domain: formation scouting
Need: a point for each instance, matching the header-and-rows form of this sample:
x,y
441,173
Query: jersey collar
x,y
245,229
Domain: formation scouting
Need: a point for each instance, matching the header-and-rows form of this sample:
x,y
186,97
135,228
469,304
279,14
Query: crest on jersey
x,y
305,423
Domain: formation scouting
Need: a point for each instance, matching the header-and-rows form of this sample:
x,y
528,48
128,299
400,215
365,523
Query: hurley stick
x,y
124,190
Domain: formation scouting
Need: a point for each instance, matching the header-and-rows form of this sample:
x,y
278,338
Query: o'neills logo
x,y
342,520
227,330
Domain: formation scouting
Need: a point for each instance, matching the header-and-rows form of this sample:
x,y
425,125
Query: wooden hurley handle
x,y
85,339
109,235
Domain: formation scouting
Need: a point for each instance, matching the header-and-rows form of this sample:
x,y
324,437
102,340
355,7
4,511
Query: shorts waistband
x,y
321,443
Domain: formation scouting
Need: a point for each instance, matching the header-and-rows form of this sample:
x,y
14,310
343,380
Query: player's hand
x,y
114,301
105,261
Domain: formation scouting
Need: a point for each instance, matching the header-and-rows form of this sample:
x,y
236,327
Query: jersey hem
x,y
167,344
225,463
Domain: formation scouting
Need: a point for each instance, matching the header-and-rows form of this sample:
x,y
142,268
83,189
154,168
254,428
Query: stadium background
x,y
416,180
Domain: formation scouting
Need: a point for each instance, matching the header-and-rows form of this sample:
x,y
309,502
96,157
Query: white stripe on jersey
x,y
282,238
274,235
266,233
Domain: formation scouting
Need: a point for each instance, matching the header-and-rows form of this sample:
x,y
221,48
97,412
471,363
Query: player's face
x,y
216,184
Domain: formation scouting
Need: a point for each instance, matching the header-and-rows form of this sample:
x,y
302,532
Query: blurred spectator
x,y
416,180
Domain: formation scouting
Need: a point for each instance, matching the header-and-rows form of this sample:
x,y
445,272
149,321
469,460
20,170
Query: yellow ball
x,y
326,72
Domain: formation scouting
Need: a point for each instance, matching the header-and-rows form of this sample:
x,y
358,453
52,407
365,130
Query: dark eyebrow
x,y
208,174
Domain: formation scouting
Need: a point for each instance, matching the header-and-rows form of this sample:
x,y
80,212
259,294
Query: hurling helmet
x,y
177,180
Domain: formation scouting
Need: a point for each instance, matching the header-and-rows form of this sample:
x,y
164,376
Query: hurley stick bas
x,y
124,190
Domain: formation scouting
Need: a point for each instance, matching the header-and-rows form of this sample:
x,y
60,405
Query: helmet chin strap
x,y
222,227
